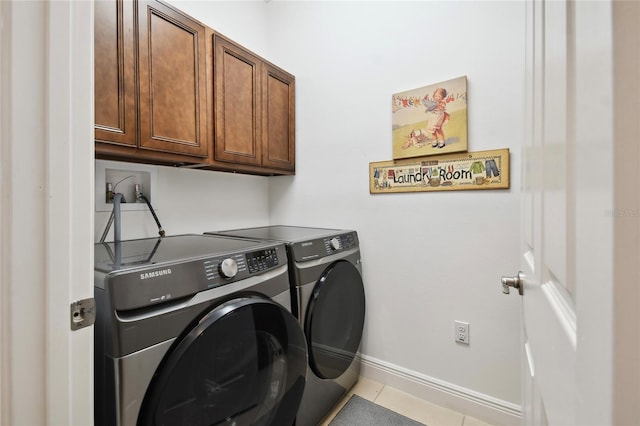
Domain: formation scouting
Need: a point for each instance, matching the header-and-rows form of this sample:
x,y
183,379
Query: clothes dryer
x,y
196,330
328,299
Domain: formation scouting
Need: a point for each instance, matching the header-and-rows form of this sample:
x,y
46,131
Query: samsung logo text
x,y
155,274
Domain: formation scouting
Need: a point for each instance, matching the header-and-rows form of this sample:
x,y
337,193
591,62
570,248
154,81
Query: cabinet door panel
x,y
237,99
115,97
278,119
172,73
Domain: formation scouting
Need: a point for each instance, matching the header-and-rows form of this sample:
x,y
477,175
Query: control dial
x,y
335,243
228,268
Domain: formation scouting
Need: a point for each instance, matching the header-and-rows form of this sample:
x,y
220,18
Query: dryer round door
x,y
335,319
243,363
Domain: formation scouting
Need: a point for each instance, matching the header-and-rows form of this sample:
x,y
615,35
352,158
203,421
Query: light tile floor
x,y
405,404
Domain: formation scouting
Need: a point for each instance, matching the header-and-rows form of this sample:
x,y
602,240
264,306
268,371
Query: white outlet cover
x,y
461,332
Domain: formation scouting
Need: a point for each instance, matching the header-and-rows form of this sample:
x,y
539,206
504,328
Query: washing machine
x,y
196,330
328,299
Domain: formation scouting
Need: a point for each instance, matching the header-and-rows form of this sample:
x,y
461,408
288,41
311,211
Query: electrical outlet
x,y
461,332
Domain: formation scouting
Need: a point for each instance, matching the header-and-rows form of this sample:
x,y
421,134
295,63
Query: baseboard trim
x,y
483,407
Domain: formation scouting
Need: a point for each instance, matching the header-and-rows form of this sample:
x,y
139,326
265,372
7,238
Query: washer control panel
x,y
166,282
221,271
326,246
260,261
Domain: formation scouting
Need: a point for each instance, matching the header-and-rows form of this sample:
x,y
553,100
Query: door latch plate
x,y
83,313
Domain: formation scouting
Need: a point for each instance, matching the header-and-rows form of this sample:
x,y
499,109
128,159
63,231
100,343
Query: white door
x,y
46,211
579,251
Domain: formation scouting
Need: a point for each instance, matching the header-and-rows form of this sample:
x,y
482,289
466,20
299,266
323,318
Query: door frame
x,y
626,213
46,213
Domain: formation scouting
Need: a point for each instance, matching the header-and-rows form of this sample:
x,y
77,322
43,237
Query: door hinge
x,y
83,313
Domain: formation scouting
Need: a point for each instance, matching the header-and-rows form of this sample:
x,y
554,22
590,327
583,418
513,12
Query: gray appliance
x,y
329,301
196,330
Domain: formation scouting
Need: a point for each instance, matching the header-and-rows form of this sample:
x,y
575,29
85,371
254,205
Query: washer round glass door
x,y
335,319
243,363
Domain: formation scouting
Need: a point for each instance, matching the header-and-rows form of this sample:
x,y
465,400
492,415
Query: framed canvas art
x,y
430,120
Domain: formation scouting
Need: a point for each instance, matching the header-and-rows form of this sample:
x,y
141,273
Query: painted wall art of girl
x,y
437,117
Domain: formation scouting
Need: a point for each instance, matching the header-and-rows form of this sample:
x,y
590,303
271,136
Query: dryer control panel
x,y
326,246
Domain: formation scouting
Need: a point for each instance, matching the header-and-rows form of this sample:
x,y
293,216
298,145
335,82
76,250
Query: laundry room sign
x,y
471,170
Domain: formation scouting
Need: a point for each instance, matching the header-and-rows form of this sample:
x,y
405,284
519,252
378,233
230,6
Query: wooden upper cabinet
x,y
254,114
115,85
237,102
173,85
278,119
169,90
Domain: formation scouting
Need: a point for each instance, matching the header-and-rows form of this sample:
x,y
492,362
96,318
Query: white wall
x,y
429,258
243,21
194,201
